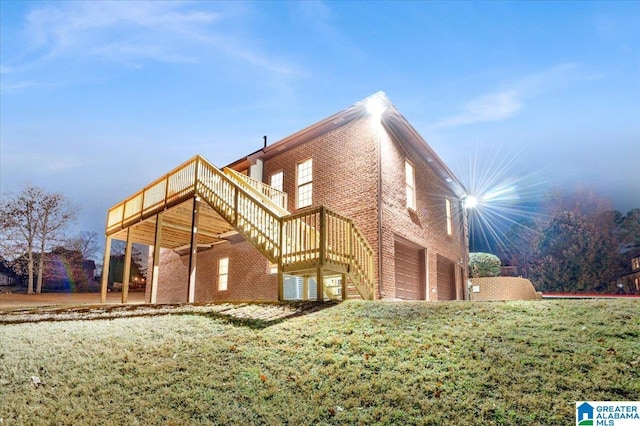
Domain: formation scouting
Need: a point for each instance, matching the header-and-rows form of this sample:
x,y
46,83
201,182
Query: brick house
x,y
630,279
358,203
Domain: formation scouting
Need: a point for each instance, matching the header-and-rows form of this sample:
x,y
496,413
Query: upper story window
x,y
305,183
410,183
447,207
635,263
223,273
277,181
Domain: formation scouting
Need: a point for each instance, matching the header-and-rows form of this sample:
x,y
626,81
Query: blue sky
x,y
99,99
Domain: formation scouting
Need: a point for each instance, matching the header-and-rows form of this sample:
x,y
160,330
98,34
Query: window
x,y
447,206
305,183
635,263
223,273
277,180
410,179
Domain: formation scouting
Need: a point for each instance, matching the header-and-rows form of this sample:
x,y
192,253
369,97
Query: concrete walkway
x,y
10,301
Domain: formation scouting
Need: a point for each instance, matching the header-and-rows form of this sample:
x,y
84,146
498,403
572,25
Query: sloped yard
x,y
352,363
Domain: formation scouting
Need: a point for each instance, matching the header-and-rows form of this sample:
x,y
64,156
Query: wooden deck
x,y
197,205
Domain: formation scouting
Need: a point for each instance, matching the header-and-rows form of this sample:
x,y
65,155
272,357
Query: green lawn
x,y
460,363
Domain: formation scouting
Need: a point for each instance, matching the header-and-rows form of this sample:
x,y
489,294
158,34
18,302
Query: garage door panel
x,y
446,278
408,272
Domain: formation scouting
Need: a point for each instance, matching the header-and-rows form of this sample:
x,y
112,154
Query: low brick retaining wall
x,y
503,288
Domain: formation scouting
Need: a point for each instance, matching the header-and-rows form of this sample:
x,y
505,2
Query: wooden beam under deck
x,y
176,227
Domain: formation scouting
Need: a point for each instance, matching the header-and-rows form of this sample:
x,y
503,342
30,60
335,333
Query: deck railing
x,y
318,237
301,240
278,197
315,237
171,189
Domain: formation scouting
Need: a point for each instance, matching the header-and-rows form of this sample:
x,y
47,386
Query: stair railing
x,y
251,219
310,238
261,189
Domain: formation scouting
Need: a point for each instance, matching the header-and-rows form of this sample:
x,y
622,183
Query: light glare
x,y
470,202
375,107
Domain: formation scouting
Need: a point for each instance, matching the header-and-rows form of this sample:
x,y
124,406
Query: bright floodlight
x,y
470,202
376,106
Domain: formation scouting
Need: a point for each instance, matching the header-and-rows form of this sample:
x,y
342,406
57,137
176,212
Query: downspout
x,y
379,173
465,251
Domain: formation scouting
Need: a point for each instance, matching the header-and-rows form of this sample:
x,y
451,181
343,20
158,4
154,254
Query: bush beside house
x,y
484,265
487,284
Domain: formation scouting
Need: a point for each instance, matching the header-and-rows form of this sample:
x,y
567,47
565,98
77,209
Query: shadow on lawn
x,y
254,316
256,320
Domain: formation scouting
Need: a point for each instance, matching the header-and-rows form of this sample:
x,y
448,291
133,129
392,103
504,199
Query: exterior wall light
x,y
470,202
376,106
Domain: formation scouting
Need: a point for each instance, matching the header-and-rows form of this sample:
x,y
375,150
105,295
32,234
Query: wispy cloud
x,y
16,86
508,102
98,27
135,32
491,107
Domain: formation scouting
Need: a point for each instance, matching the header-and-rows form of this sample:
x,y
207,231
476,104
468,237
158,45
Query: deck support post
x,y
281,261
280,284
105,270
155,271
193,253
320,284
343,281
305,287
323,254
127,266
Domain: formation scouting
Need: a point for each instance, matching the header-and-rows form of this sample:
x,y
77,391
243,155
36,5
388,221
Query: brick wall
x,y
426,226
345,179
503,288
172,277
344,174
248,277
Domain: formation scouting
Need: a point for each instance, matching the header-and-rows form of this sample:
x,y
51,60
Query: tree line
x,y
574,243
571,243
36,244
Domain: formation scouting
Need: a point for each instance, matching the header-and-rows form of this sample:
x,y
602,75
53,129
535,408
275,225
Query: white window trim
x,y
449,217
300,185
281,187
223,274
410,185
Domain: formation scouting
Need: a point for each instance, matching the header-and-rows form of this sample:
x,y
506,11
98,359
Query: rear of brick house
x,y
367,165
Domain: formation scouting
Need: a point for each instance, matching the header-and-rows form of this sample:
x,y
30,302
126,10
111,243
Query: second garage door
x,y
446,279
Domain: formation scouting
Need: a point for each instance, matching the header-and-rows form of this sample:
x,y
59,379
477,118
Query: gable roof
x,y
392,120
398,125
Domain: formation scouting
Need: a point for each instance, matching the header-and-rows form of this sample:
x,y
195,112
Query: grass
x,y
352,363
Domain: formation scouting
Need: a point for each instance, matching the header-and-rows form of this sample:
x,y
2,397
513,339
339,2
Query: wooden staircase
x,y
314,240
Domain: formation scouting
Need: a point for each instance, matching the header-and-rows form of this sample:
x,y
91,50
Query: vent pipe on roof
x,y
265,141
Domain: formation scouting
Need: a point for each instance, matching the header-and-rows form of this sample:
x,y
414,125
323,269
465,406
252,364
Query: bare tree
x,y
33,220
55,214
86,243
19,226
